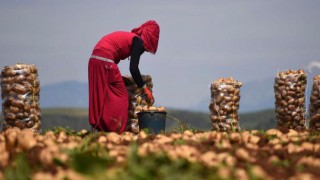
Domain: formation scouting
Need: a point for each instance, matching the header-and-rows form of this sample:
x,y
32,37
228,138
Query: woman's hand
x,y
150,99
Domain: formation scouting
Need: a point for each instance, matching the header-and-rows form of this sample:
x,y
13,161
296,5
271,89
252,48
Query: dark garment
x,y
137,50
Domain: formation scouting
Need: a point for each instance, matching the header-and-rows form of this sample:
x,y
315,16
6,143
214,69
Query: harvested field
x,y
61,153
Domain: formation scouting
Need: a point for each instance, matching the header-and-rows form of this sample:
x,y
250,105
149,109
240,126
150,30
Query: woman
x,y
108,98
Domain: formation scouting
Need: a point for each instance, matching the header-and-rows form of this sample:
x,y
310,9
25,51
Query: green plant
x,y
160,166
179,142
146,130
90,158
182,126
281,163
18,169
67,130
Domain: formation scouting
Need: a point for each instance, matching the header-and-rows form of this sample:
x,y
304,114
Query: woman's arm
x,y
136,51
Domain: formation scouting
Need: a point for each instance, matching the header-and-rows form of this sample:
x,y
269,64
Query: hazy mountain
x,y
255,96
65,94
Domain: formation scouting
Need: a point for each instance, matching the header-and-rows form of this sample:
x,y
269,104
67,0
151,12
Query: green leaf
x,y
88,164
19,169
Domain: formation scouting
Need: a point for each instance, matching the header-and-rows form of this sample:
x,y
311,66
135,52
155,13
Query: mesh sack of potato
x,y
136,100
314,106
289,89
224,105
20,93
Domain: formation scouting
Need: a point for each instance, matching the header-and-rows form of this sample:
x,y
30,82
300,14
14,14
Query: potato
x,y
18,88
27,85
138,108
33,69
26,107
139,100
8,80
17,103
30,124
6,109
31,78
14,109
145,108
19,78
132,99
152,108
6,88
10,116
35,104
135,121
8,72
150,85
161,109
19,115
25,114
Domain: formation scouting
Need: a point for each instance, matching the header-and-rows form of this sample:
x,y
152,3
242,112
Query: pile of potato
x,y
150,108
289,91
314,106
225,98
20,89
136,99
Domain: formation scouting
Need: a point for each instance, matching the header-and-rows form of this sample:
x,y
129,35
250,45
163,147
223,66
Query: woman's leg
x,y
115,110
97,78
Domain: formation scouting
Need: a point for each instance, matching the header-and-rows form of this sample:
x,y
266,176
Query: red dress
x,y
108,98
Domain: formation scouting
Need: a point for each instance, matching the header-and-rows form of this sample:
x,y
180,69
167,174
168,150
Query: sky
x,y
200,41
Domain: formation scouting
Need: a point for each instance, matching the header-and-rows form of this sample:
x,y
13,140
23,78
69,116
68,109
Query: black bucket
x,y
154,121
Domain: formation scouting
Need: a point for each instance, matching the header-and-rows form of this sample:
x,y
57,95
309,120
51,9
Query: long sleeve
x,y
136,51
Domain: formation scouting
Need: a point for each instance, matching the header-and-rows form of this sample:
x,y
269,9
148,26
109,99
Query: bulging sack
x,y
314,106
289,89
224,105
20,93
136,100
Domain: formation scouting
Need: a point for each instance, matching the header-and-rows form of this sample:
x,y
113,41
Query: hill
x,y
77,119
255,96
73,118
64,94
264,119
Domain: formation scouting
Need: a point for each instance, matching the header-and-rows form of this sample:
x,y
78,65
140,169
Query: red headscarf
x,y
149,33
